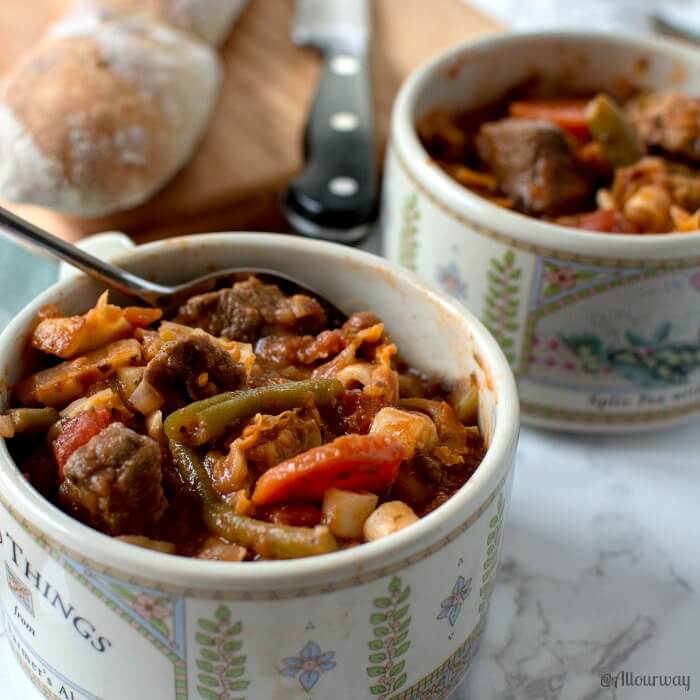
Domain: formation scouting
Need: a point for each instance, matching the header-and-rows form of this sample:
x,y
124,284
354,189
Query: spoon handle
x,y
112,276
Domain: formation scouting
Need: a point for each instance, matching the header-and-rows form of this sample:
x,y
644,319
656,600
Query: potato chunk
x,y
345,512
389,518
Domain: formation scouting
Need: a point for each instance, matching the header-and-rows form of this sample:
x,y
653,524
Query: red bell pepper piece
x,y
568,113
351,462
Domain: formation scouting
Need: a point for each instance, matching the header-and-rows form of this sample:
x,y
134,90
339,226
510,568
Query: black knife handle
x,y
335,195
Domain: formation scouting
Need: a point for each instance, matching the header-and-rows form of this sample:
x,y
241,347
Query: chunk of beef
x,y
669,121
113,482
196,364
534,165
251,309
300,349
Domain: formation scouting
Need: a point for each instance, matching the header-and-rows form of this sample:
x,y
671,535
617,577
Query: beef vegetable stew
x,y
249,426
618,163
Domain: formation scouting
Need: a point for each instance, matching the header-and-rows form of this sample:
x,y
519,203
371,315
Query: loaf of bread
x,y
209,20
110,105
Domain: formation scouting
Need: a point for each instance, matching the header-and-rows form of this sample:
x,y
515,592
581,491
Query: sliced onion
x,y
75,407
154,425
129,378
145,398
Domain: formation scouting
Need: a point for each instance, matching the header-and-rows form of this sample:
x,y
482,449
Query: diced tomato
x,y
76,432
606,220
351,462
568,113
298,514
142,317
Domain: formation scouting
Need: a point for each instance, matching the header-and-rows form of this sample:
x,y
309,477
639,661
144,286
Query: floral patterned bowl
x,y
92,618
601,330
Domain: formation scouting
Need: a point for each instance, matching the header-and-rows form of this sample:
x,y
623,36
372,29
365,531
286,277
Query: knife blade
x,y
335,195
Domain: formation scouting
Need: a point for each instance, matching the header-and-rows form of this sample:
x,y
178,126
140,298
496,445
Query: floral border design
x,y
645,362
634,272
221,665
438,684
391,640
539,313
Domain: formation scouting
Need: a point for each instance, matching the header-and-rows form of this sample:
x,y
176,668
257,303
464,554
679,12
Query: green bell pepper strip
x,y
610,128
193,473
32,420
269,540
203,421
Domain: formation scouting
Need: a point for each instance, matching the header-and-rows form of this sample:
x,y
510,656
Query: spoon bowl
x,y
168,298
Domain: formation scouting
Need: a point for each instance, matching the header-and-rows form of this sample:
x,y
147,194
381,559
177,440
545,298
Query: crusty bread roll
x,y
210,20
105,110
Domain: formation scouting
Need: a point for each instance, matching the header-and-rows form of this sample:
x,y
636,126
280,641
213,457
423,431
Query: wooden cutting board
x,y
253,146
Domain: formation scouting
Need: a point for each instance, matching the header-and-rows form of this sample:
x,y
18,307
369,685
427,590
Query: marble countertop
x,y
599,572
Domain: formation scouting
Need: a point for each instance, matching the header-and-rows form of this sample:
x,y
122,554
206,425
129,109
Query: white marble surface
x,y
625,15
599,572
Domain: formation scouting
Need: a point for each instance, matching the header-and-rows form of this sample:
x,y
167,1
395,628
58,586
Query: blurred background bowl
x,y
602,330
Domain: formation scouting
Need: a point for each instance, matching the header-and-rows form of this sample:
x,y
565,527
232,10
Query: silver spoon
x,y
136,287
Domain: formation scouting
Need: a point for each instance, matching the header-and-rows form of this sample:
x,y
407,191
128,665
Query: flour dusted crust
x,y
210,20
102,113
110,105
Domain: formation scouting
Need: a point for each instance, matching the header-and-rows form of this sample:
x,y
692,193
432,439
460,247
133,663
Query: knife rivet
x,y
344,121
343,186
345,65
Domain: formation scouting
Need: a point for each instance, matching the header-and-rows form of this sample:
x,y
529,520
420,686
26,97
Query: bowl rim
x,y
524,228
75,537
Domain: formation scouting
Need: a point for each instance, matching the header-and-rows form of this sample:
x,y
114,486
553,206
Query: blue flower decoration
x,y
451,280
452,605
309,665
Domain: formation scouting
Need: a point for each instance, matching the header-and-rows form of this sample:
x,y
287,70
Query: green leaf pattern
x,y
408,236
221,667
391,624
501,302
493,540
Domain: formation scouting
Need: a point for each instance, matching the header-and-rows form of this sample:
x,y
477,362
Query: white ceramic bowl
x,y
102,619
602,330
